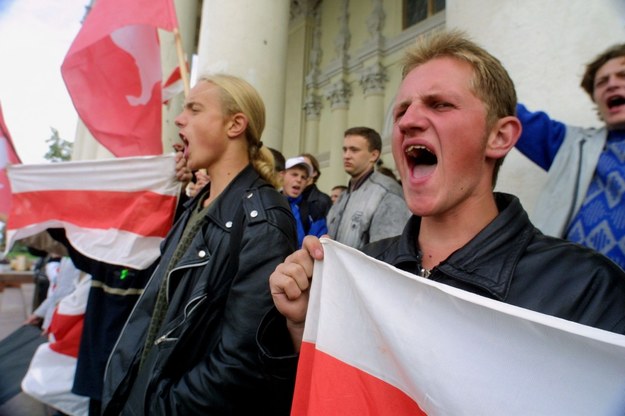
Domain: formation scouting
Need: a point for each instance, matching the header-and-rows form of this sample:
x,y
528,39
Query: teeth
x,y
414,150
421,155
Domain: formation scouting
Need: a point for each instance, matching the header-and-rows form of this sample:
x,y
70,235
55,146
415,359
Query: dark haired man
x,y
373,207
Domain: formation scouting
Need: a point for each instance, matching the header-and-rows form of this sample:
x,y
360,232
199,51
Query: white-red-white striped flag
x,y
115,210
379,341
50,376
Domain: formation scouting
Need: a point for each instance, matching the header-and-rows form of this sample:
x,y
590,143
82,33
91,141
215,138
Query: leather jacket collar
x,y
223,212
487,261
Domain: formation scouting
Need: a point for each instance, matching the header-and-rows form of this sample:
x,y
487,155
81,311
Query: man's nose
x,y
179,120
413,118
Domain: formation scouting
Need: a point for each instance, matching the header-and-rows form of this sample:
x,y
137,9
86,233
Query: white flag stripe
x,y
120,174
76,302
109,246
455,352
50,379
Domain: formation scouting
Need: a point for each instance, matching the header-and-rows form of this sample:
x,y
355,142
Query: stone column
x,y
312,108
372,82
248,38
312,102
86,147
338,94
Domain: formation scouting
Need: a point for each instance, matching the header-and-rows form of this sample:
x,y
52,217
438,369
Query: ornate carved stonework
x,y
338,94
375,22
312,77
343,38
302,8
373,79
312,106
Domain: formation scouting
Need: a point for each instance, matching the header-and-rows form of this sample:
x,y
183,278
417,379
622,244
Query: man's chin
x,y
616,125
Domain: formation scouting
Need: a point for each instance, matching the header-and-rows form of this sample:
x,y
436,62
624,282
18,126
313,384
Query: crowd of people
x,y
219,321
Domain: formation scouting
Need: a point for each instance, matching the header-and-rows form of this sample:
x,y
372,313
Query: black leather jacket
x,y
510,261
205,359
513,262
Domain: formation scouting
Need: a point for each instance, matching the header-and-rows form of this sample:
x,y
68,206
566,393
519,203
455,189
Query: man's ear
x,y
503,136
237,125
375,155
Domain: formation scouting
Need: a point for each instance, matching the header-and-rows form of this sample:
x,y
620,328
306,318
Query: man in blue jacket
x,y
294,179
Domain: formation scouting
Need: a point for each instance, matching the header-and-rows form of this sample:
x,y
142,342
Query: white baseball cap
x,y
296,161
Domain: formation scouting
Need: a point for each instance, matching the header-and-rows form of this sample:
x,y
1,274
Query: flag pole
x,y
184,75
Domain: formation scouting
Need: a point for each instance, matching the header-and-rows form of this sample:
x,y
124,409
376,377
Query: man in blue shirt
x,y
294,180
583,199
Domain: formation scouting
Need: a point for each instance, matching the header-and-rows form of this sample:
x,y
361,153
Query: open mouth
x,y
421,155
615,101
186,146
421,160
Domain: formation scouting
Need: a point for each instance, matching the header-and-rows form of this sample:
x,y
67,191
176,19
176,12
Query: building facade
x,y
325,65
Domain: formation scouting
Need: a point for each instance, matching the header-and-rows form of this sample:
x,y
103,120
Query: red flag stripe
x,y
67,330
327,388
126,211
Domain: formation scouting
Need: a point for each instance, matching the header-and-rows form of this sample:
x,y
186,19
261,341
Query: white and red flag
x,y
379,341
113,74
50,376
115,210
8,156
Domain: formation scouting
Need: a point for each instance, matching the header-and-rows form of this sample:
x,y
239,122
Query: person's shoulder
x,y
389,184
266,193
570,259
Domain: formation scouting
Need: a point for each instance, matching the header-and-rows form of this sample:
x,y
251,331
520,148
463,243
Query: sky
x,y
35,35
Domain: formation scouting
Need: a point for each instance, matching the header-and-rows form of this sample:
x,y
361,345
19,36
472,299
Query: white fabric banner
x,y
382,341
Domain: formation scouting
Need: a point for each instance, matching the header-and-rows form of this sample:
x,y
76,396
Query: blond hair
x,y
239,96
491,82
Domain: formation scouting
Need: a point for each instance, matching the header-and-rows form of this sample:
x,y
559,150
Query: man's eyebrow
x,y
190,103
402,104
601,78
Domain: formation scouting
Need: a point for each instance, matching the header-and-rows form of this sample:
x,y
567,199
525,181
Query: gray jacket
x,y
374,211
568,179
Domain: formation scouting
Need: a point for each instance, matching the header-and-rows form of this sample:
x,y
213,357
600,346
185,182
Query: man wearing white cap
x,y
294,180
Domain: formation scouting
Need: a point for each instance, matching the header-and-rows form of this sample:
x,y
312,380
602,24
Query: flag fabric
x,y
379,341
8,156
113,74
116,211
50,376
173,85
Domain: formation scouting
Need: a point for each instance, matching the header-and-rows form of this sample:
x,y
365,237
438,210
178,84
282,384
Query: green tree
x,y
59,150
